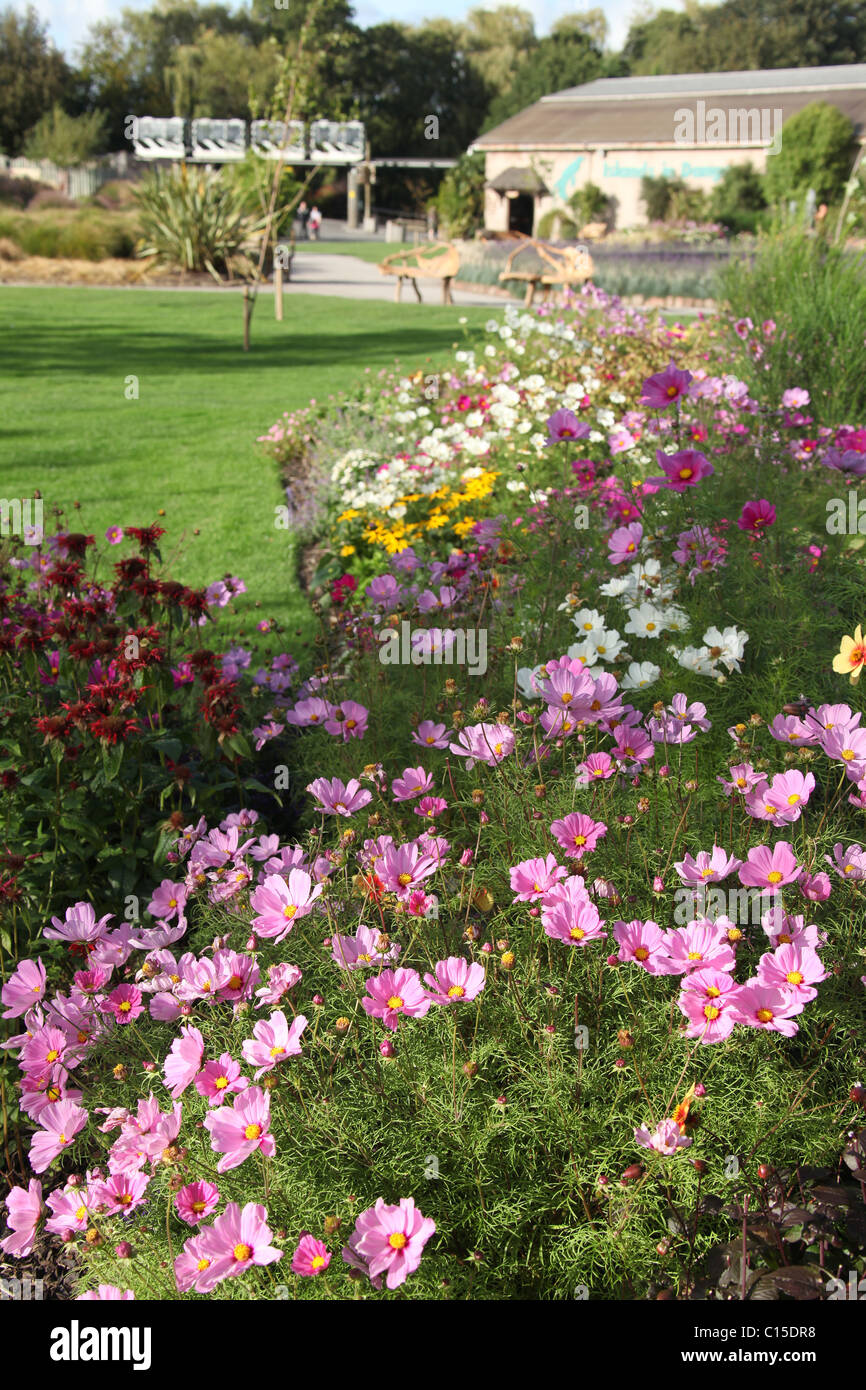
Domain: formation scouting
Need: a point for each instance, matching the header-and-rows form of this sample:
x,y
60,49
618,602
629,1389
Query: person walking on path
x,y
315,223
303,217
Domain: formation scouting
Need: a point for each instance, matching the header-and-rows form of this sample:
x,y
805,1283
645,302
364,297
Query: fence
x,y
74,183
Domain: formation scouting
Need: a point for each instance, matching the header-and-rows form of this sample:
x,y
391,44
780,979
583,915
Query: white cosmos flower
x,y
516,485
584,652
617,586
588,621
525,676
607,645
646,621
695,659
639,675
727,647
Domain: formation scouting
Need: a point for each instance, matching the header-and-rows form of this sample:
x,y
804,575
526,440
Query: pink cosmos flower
x,y
414,782
125,1003
430,735
394,993
219,1080
168,901
43,1049
273,1041
335,799
793,969
24,988
760,1006
632,746
682,470
794,397
483,743
114,535
24,1208
708,867
707,1000
80,924
757,516
362,950
59,1125
578,834
69,1209
665,1139
531,878
349,719
311,1257
770,868
239,1239
644,944
624,543
596,768
122,1192
183,1062
104,1293
280,902
574,923
815,887
238,1131
741,778
455,980
281,978
662,389
308,712
564,424
196,1201
430,807
391,1239
403,868
697,945
849,864
194,1267
781,801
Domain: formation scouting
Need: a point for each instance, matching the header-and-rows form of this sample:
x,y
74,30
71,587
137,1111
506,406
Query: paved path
x,y
315,272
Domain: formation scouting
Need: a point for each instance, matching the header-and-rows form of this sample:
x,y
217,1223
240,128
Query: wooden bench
x,y
568,265
438,261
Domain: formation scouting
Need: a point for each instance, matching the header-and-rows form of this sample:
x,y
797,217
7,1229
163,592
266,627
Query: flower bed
x,y
562,968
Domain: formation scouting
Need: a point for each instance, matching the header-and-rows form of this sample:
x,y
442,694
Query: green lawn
x,y
188,443
374,251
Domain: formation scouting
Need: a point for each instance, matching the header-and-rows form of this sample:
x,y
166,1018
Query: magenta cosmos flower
x,y
395,993
280,902
80,924
239,1131
698,944
757,516
662,389
239,1239
24,1208
391,1240
454,980
414,782
24,988
114,535
362,950
770,868
311,1257
564,424
273,1041
483,743
196,1201
168,901
430,735
337,799
574,923
794,969
682,470
125,1003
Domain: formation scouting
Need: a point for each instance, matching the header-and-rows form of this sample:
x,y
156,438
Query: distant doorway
x,y
521,213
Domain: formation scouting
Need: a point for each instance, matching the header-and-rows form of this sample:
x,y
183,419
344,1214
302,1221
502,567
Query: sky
x,y
69,20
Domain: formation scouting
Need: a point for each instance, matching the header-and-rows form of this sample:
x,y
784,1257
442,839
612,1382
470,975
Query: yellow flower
x,y
349,515
852,655
462,528
347,550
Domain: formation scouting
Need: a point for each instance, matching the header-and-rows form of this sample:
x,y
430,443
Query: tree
x,y
67,140
561,60
33,76
738,200
460,201
817,151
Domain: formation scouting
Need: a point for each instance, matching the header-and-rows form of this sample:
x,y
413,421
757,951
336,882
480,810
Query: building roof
x,y
641,111
517,180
